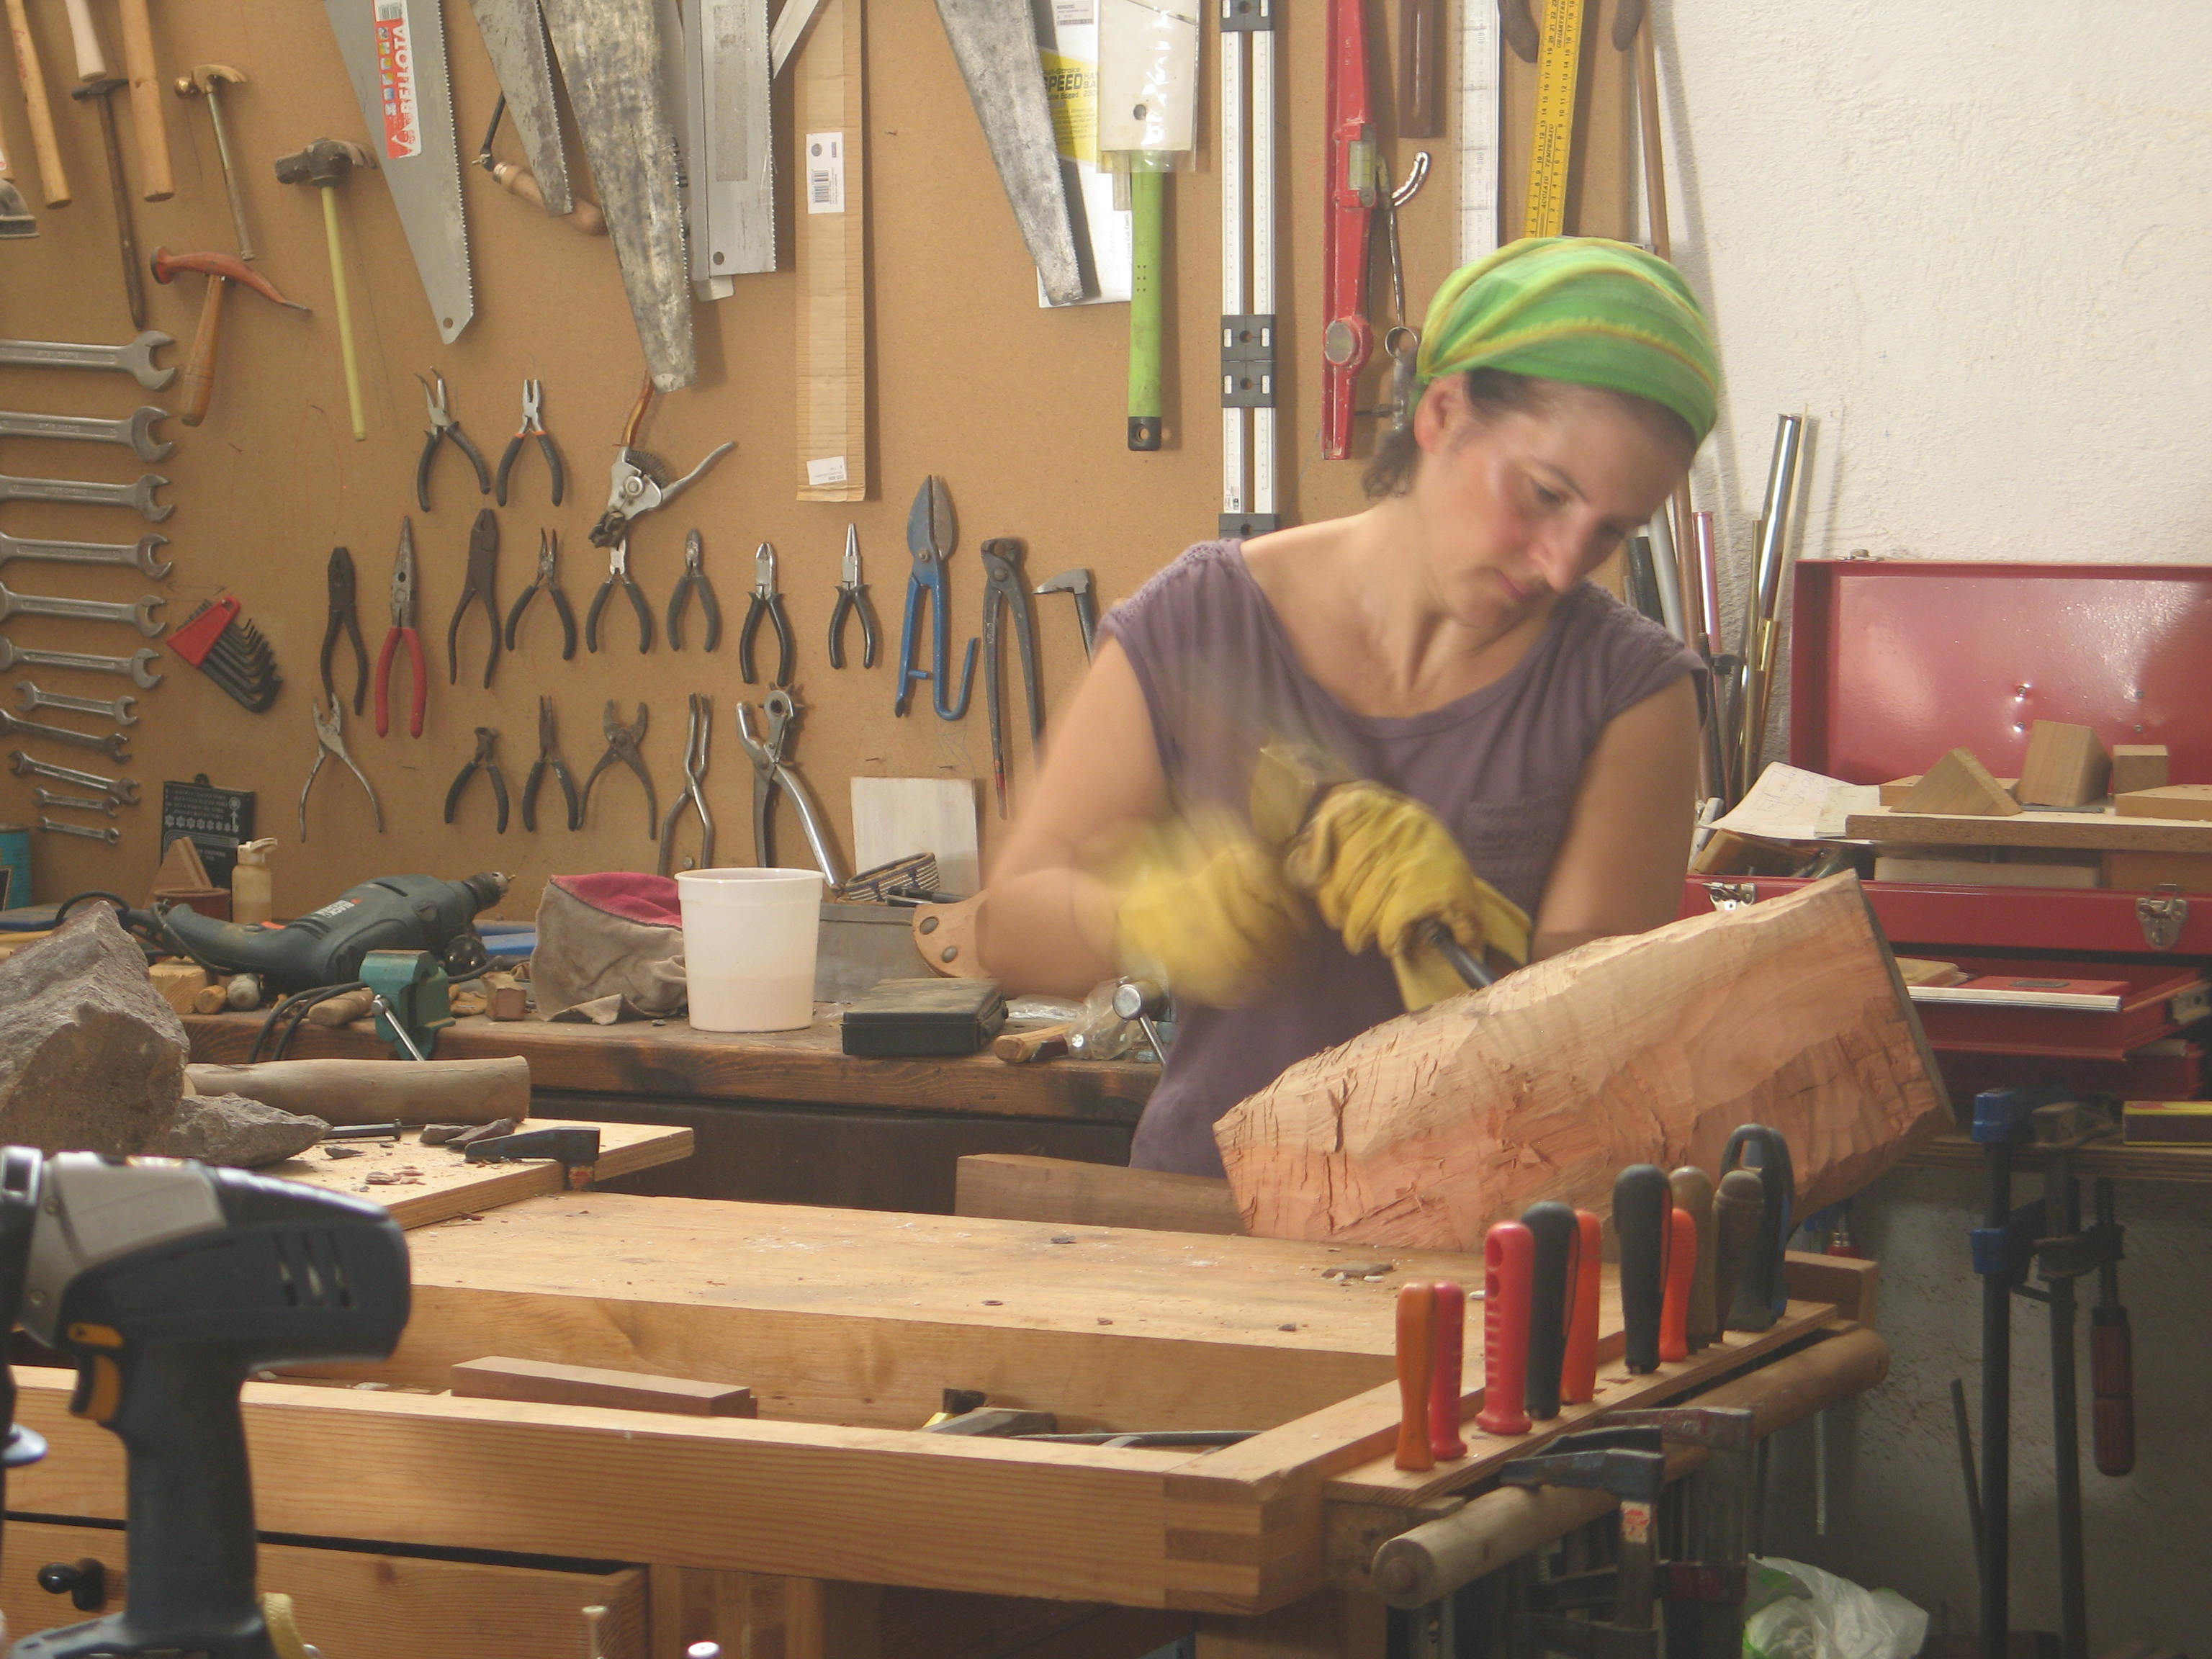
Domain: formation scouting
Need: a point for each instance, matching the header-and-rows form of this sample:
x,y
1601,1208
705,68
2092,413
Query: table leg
x,y
1331,1623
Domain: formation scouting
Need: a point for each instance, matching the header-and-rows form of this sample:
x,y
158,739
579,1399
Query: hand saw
x,y
1347,220
730,158
611,54
515,36
395,56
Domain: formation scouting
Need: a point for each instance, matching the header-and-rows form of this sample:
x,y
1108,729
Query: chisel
x,y
1693,1191
1578,1376
1681,1270
1416,1365
1509,1255
1445,1442
1551,1280
1760,1295
1738,1208
1640,1204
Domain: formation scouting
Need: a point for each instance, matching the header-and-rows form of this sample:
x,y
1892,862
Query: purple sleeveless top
x,y
1500,766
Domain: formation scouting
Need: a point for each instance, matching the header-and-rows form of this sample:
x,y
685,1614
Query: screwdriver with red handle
x,y
1416,1365
1682,1254
1578,1376
1445,1442
1509,1255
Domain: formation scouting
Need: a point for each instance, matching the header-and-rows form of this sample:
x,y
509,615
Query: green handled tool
x,y
1148,189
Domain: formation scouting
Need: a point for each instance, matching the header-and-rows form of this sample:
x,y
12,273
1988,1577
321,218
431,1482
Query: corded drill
x,y
325,946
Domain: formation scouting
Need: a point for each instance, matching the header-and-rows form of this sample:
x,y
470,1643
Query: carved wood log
x,y
1646,1050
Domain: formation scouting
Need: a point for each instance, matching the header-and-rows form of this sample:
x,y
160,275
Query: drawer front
x,y
359,1605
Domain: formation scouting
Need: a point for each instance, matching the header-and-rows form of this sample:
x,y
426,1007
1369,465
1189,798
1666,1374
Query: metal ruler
x,y
1551,156
1481,75
1247,268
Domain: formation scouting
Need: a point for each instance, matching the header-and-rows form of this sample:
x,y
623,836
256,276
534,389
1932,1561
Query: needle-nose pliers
x,y
694,577
549,760
548,578
487,756
766,602
853,599
533,392
401,629
444,426
343,620
484,573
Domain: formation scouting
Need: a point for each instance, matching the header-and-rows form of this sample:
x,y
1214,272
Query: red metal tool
x,y
1682,1275
1508,1260
1347,220
1578,1376
1445,1442
1417,1366
402,632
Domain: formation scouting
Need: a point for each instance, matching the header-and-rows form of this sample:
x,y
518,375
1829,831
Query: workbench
x,y
782,1116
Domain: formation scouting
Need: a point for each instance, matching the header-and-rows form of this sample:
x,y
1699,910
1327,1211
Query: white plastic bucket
x,y
749,943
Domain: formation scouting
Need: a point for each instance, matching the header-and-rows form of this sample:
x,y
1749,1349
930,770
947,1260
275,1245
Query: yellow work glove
x,y
1381,867
1205,909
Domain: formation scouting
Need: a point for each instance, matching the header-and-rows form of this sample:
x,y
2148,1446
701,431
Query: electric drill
x,y
325,946
168,1283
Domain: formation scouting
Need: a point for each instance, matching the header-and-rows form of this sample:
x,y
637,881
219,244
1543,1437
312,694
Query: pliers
x,y
343,619
622,745
548,761
929,538
443,425
548,578
766,602
533,392
853,597
695,776
329,739
1006,590
402,628
487,756
694,577
771,772
618,571
483,574
640,481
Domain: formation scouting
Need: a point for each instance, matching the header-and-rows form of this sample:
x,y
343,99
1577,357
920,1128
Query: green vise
x,y
417,1000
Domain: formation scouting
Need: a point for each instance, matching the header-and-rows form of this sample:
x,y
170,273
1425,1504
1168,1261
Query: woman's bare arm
x,y
1619,868
1047,924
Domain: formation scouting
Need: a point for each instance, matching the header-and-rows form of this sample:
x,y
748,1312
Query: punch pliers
x,y
766,602
694,577
483,574
533,392
1006,591
693,795
444,426
401,629
622,745
487,756
618,573
329,739
853,599
548,578
343,620
548,761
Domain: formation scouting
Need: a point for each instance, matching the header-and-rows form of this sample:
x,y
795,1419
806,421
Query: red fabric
x,y
650,900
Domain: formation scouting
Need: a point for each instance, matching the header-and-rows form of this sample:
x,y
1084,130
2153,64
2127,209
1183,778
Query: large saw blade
x,y
995,42
514,35
395,55
611,54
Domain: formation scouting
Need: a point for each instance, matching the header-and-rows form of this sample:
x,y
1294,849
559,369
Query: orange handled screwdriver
x,y
1509,1258
1444,1439
1578,1376
1681,1271
1417,1366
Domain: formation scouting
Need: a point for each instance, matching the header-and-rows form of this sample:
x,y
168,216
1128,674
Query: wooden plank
x,y
833,261
498,1376
1959,783
2188,1165
896,817
2137,766
1852,1283
2175,800
2138,872
2066,766
1015,1187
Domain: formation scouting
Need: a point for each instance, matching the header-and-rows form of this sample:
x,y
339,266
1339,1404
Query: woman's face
x,y
1520,507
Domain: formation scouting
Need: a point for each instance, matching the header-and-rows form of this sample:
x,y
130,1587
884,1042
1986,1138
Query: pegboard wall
x,y
1019,410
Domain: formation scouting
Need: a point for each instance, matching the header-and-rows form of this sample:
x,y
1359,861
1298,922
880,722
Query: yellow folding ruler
x,y
1551,156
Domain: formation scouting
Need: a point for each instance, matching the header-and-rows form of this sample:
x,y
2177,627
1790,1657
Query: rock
x,y
91,1058
240,1132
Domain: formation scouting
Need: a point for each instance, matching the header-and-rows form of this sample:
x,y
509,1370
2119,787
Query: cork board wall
x,y
1019,410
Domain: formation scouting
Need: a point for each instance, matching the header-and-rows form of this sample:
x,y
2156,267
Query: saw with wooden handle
x,y
515,36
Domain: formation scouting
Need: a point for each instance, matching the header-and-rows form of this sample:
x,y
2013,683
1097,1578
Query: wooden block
x,y
895,816
2137,766
178,983
2068,832
2066,766
1960,785
2138,872
182,869
497,1377
2175,800
1015,1187
211,1000
1898,791
1919,970
1989,873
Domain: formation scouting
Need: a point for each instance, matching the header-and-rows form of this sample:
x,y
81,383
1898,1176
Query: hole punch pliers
x,y
402,628
766,602
444,426
548,578
695,777
771,772
343,620
1006,591
329,739
694,577
533,393
930,536
483,577
853,599
622,745
487,756
549,760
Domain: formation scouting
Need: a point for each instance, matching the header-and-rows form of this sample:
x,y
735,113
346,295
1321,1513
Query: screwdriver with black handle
x,y
1551,1290
1641,1202
1739,1207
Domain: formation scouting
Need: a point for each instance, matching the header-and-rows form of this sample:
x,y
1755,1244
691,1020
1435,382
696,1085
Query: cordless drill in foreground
x,y
167,1284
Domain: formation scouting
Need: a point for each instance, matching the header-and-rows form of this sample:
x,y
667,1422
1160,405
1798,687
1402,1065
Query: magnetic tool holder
x,y
414,1000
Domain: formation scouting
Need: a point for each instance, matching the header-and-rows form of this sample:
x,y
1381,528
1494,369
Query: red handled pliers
x,y
402,628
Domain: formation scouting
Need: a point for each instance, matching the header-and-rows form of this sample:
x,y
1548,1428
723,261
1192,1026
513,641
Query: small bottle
x,y
250,899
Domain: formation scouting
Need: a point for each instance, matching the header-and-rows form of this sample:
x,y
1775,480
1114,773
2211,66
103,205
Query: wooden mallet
x,y
324,164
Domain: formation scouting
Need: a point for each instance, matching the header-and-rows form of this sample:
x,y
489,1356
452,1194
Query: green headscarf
x,y
1577,308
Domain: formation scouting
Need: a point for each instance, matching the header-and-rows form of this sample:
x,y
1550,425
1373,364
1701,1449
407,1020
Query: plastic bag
x,y
1798,1612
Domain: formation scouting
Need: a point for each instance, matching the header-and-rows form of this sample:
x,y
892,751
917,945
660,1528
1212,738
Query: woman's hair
x,y
1492,393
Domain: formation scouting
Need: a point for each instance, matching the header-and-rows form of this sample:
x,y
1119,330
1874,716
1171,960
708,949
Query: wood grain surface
x,y
2091,832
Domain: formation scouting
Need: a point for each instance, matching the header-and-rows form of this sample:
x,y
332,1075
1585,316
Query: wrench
x,y
139,495
139,665
123,789
102,803
114,708
140,556
140,615
111,835
134,358
135,432
116,745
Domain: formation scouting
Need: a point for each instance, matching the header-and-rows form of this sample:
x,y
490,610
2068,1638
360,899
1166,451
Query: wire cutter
x,y
482,578
853,598
694,577
533,392
487,756
329,739
1007,590
618,573
640,480
695,776
766,602
548,761
343,619
622,745
771,772
929,536
548,578
444,426
402,628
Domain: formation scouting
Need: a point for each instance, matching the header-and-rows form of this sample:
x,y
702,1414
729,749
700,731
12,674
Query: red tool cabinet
x,y
1895,662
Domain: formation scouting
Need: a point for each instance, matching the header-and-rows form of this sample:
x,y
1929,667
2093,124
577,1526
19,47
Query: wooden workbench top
x,y
670,1060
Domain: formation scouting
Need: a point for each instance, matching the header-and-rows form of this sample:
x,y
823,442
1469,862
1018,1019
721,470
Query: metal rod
x,y
2061,1212
1964,1431
1996,1417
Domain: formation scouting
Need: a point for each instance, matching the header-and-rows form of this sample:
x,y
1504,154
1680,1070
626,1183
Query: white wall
x,y
1971,242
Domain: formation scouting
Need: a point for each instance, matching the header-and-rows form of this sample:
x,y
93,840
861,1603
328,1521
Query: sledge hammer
x,y
324,164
